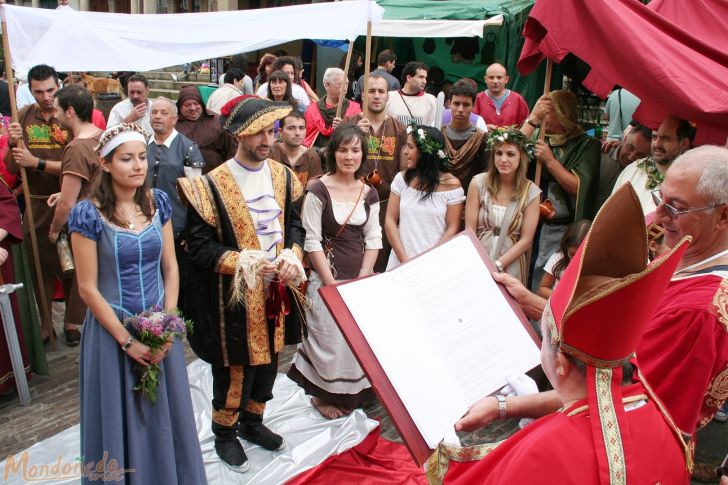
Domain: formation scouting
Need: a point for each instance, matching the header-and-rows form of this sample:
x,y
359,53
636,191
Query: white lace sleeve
x,y
372,229
311,218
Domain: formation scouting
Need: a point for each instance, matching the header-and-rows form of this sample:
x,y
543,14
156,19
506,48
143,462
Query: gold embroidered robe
x,y
219,225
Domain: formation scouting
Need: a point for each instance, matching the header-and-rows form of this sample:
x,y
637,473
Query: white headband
x,y
122,137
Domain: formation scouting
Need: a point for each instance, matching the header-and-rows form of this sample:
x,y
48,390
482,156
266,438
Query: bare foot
x,y
327,410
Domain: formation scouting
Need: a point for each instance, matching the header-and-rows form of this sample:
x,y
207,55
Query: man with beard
x,y
291,151
244,248
673,138
215,144
321,116
386,138
135,109
44,140
616,155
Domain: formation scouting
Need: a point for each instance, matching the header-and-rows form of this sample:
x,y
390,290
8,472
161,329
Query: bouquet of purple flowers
x,y
154,328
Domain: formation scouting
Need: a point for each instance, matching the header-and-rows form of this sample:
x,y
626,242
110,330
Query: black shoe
x,y
260,435
73,337
233,455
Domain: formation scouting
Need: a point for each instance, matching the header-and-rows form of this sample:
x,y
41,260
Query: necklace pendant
x,y
131,226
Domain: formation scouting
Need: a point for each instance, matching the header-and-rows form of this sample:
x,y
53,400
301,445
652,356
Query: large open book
x,y
433,336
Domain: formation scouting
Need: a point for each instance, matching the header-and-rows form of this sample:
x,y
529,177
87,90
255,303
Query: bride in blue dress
x,y
125,262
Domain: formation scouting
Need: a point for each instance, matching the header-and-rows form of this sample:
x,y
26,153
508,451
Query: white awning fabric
x,y
70,40
434,28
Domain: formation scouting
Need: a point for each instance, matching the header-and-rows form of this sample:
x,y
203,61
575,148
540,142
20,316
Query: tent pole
x,y
47,322
367,61
345,83
542,131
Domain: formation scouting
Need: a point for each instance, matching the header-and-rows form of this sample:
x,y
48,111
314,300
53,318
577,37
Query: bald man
x,y
171,155
497,105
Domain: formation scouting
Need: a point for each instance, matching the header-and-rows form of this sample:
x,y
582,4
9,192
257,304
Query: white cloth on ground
x,y
310,438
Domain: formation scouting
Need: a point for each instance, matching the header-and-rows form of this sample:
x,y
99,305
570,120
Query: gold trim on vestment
x,y
439,461
298,251
278,177
610,427
228,263
718,391
625,400
234,204
228,416
720,303
255,407
197,193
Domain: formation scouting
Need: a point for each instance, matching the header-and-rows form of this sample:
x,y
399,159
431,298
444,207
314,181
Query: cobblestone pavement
x,y
55,407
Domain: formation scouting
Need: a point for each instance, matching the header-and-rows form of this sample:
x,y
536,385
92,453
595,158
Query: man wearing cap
x,y
244,248
683,351
610,429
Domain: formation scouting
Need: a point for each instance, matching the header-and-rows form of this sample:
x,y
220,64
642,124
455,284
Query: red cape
x,y
558,448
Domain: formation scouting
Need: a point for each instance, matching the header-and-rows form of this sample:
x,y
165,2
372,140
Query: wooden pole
x,y
542,131
43,304
367,62
345,83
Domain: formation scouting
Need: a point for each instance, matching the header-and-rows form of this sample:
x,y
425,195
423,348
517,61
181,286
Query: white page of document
x,y
443,333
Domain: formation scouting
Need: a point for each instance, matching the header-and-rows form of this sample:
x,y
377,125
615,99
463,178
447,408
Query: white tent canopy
x,y
434,28
71,40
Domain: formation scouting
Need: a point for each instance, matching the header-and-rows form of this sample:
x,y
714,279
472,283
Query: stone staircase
x,y
167,82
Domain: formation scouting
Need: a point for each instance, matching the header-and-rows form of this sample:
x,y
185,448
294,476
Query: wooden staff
x,y
542,131
345,83
47,322
367,61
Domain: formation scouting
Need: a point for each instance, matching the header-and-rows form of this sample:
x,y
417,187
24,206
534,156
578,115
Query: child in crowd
x,y
557,263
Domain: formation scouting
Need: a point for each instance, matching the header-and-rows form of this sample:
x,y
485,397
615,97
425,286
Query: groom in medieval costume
x,y
244,240
611,429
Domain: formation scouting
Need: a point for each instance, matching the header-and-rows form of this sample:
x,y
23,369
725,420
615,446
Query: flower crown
x,y
425,143
507,134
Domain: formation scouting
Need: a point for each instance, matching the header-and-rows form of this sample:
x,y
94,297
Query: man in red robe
x,y
683,351
321,117
610,430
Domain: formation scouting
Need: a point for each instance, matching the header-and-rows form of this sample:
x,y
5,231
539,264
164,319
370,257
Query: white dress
x,y
421,222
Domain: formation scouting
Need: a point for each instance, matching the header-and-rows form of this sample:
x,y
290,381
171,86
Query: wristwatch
x,y
128,343
502,406
530,122
498,266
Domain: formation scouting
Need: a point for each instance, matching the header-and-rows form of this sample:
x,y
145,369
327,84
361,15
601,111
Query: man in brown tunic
x,y
291,151
79,168
464,142
386,138
43,140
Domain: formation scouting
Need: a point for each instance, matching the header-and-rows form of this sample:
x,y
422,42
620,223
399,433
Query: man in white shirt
x,y
412,102
233,87
135,109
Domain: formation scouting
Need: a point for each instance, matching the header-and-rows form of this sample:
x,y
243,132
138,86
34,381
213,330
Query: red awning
x,y
670,54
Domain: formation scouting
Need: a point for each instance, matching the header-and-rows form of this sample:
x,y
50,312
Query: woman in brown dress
x,y
343,237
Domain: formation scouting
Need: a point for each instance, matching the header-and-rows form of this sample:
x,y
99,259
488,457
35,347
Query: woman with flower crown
x,y
123,248
502,207
426,204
